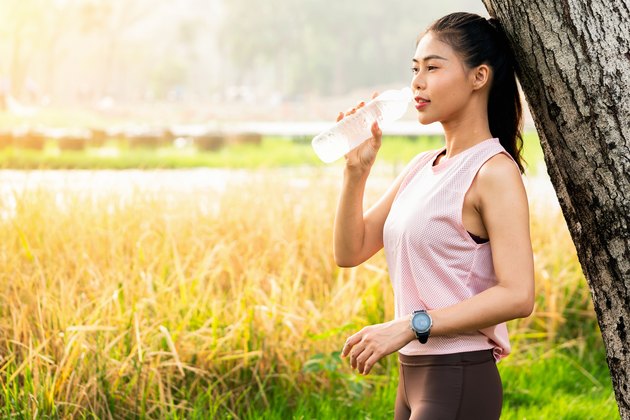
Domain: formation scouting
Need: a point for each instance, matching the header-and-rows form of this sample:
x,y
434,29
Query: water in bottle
x,y
354,129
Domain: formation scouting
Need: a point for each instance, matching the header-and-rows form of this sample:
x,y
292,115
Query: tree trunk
x,y
574,67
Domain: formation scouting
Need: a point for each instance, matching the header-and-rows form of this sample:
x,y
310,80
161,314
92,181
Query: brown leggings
x,y
449,386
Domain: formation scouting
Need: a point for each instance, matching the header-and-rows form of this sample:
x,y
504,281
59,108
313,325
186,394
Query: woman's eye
x,y
414,70
429,68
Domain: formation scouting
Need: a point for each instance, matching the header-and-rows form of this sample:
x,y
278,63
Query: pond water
x,y
197,183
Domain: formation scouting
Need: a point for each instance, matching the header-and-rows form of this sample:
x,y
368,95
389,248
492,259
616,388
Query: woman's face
x,y
442,85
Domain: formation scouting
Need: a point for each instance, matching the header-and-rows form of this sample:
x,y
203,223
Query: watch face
x,y
421,322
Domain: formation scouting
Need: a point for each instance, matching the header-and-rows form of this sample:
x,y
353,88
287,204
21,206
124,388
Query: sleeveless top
x,y
433,261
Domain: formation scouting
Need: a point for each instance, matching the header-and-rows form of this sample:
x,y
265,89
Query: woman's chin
x,y
425,119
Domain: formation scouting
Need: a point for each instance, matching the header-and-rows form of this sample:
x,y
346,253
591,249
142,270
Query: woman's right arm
x,y
359,235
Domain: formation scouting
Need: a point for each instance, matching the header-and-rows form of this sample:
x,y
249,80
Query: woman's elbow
x,y
525,307
345,262
344,258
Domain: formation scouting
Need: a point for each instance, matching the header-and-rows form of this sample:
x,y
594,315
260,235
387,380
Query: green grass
x,y
558,385
563,381
273,152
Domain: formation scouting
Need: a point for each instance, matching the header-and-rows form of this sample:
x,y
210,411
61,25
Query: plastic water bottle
x,y
354,129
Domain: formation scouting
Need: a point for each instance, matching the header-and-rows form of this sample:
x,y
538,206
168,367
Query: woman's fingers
x,y
363,358
350,342
356,108
355,346
362,350
376,130
351,111
357,352
377,135
373,342
367,367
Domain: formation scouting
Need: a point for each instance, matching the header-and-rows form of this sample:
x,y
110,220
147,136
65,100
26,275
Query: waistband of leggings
x,y
458,359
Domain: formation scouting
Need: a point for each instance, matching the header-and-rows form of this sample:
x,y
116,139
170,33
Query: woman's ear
x,y
480,76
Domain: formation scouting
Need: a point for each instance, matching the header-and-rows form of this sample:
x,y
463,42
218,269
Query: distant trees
x,y
88,49
111,19
134,49
18,30
328,47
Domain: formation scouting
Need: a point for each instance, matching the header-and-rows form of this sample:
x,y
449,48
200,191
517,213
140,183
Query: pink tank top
x,y
433,261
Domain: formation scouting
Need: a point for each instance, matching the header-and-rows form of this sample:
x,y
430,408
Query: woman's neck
x,y
471,127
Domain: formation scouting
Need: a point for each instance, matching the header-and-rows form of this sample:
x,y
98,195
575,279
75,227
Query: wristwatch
x,y
421,324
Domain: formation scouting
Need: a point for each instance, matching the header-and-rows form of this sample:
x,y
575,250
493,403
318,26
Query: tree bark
x,y
574,66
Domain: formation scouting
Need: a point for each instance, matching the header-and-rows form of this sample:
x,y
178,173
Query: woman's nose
x,y
418,82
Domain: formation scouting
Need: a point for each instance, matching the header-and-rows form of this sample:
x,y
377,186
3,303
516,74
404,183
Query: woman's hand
x,y
362,157
374,342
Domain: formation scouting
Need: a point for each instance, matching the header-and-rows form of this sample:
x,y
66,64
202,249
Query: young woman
x,y
454,225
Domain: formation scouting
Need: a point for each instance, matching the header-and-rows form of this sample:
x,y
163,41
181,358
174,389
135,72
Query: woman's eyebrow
x,y
430,57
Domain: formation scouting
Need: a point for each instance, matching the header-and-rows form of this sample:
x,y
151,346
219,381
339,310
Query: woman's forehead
x,y
431,47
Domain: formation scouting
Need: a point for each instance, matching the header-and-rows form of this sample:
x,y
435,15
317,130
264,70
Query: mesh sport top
x,y
433,261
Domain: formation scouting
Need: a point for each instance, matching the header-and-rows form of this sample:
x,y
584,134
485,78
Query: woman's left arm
x,y
502,203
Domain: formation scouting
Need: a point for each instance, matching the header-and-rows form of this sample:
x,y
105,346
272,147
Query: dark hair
x,y
477,41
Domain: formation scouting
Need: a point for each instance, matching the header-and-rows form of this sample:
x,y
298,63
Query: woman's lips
x,y
422,104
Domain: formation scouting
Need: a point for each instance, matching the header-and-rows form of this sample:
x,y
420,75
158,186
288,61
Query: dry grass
x,y
159,302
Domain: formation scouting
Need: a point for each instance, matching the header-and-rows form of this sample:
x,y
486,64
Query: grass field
x,y
225,303
274,152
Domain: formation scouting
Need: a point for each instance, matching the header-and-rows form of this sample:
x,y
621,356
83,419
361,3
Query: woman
x,y
454,225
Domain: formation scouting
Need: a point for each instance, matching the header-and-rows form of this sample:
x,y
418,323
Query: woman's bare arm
x,y
505,213
359,235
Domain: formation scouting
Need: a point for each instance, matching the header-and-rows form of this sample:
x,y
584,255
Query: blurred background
x,y
206,60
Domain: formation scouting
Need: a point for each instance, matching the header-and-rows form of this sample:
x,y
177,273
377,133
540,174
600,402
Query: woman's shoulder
x,y
499,164
498,173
